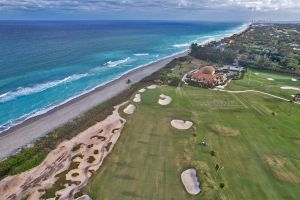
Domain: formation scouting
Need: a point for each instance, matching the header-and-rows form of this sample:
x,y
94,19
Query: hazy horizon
x,y
170,10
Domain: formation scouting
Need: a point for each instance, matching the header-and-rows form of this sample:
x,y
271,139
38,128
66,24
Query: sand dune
x,y
88,149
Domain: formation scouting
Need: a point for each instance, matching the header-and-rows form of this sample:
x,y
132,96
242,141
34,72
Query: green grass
x,y
150,155
258,81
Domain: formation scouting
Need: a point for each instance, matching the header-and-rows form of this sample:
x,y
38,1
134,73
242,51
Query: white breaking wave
x,y
141,54
118,62
23,91
181,45
12,123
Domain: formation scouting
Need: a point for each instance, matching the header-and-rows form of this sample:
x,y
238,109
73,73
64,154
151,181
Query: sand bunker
x,y
256,73
289,88
181,125
130,109
221,86
293,79
142,90
190,181
72,157
137,98
164,100
270,79
151,87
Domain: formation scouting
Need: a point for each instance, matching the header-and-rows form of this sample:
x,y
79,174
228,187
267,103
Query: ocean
x,y
46,63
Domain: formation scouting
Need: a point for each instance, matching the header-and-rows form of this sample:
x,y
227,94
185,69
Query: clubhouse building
x,y
213,76
205,77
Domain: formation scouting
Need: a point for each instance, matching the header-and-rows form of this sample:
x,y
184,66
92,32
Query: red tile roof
x,y
206,73
207,70
200,75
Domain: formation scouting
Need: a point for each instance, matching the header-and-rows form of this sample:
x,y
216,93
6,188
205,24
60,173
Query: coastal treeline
x,y
210,53
270,47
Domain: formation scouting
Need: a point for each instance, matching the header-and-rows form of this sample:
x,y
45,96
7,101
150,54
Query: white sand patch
x,y
289,88
256,73
223,86
270,79
181,125
130,109
137,98
190,181
142,90
151,87
84,197
95,142
164,100
293,79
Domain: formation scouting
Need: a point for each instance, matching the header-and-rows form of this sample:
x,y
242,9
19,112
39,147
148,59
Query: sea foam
x,y
118,62
141,54
181,45
23,91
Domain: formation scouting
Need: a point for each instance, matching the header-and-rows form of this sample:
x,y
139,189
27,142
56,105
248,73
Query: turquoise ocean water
x,y
43,64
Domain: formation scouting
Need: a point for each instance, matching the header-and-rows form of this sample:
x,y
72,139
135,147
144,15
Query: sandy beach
x,y
34,128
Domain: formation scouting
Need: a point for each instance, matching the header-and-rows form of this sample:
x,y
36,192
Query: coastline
x,y
33,128
27,132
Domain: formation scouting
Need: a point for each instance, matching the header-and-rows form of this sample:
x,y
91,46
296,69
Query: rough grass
x,y
224,131
284,168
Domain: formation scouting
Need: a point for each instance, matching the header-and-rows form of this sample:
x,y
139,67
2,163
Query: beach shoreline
x,y
38,126
28,131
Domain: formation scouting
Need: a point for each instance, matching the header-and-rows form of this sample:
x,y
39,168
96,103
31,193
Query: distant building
x,y
232,71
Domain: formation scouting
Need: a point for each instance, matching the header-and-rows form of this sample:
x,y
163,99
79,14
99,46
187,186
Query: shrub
x,y
91,159
222,185
212,153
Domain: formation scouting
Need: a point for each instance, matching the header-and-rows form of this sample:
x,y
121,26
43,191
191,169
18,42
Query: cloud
x,y
255,5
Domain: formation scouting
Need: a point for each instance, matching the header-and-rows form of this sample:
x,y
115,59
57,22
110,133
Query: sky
x,y
198,10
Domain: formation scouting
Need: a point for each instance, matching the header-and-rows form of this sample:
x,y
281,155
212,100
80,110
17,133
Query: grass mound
x,y
224,131
284,168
